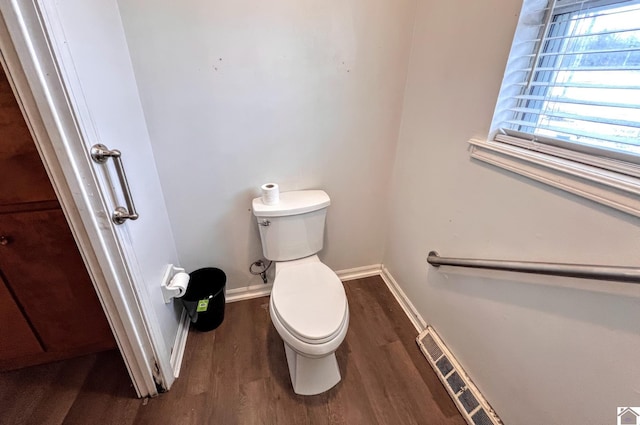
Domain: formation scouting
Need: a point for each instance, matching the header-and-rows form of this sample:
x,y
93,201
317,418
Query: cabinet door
x,y
43,268
16,337
22,175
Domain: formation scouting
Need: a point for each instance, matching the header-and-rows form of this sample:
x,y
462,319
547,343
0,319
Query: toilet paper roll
x,y
270,193
180,281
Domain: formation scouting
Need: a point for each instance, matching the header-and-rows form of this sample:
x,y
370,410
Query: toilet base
x,y
310,376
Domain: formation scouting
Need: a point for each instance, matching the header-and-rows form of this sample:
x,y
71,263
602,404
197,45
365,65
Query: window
x,y
570,98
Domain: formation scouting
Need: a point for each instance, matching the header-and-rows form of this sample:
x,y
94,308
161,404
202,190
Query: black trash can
x,y
204,299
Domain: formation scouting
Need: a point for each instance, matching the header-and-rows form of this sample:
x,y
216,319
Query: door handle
x,y
101,154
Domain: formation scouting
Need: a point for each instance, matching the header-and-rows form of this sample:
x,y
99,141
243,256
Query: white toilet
x,y
308,304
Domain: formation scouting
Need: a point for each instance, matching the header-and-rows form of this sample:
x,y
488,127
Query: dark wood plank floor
x,y
238,374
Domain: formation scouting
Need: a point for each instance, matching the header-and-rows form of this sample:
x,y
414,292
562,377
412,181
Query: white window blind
x,y
573,79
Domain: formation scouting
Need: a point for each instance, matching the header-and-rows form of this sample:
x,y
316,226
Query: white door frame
x,y
33,73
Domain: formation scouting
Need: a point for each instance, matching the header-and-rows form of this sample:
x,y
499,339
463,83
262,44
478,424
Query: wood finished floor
x,y
238,374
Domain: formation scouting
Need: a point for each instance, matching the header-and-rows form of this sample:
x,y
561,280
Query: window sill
x,y
608,188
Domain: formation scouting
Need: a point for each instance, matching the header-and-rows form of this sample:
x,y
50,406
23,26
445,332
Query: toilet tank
x,y
294,227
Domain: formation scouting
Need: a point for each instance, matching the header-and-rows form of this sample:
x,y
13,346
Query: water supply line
x,y
263,272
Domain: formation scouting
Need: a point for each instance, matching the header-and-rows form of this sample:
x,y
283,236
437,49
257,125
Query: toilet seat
x,y
311,341
309,301
304,348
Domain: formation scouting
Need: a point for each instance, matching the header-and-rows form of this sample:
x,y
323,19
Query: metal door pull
x,y
101,154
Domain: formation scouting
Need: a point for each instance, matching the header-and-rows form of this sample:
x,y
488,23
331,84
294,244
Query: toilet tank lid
x,y
292,203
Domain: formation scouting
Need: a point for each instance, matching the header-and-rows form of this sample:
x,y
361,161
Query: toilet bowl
x,y
308,305
309,310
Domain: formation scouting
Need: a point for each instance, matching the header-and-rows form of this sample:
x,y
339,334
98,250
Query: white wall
x,y
306,94
543,350
310,95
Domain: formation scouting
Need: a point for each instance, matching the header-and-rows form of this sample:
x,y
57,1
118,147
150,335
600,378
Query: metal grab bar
x,y
101,154
583,271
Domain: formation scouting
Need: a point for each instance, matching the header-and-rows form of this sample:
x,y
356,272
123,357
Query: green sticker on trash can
x,y
202,306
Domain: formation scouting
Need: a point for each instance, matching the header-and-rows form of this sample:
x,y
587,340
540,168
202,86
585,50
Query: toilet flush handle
x,y
264,222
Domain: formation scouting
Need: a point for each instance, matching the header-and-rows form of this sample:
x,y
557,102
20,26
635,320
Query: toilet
x,y
308,305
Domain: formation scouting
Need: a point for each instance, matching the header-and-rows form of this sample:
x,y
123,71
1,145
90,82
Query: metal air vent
x,y
466,396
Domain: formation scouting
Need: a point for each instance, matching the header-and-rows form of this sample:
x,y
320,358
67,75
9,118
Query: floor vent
x,y
467,398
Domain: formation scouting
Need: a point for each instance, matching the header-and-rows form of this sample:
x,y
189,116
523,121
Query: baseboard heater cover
x,y
465,395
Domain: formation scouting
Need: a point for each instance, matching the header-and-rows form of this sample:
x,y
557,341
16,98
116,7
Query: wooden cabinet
x,y
44,270
23,178
15,333
49,309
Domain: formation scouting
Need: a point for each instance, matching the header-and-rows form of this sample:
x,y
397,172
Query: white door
x,y
88,47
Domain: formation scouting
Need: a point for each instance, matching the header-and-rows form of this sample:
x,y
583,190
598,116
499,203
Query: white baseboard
x,y
257,291
177,352
248,292
401,297
359,272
